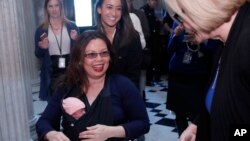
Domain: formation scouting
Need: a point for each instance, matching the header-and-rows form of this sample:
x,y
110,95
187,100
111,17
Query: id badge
x,y
187,57
61,62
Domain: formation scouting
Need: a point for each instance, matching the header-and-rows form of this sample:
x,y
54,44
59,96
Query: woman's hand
x,y
190,36
189,134
73,34
56,136
44,43
102,132
178,30
95,133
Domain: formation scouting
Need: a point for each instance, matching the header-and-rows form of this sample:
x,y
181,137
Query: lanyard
x,y
59,45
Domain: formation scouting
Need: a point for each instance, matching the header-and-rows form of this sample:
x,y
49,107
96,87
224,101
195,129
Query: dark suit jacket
x,y
231,101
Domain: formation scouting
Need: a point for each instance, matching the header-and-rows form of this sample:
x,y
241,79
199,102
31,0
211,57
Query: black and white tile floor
x,y
162,120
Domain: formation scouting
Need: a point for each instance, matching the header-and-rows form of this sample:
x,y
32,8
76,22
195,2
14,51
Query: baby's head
x,y
74,107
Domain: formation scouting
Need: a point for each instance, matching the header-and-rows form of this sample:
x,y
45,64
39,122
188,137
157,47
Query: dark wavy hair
x,y
125,24
75,73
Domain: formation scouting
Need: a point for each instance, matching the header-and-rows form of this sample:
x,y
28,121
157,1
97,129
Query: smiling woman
x,y
113,20
114,109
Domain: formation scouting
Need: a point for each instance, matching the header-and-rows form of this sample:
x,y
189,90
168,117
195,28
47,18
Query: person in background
x,y
114,21
227,99
138,17
189,71
137,25
167,23
141,15
53,42
153,43
166,30
114,109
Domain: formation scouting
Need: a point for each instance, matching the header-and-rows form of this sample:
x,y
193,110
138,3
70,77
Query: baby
x,y
74,107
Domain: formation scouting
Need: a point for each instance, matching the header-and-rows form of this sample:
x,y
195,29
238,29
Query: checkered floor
x,y
162,120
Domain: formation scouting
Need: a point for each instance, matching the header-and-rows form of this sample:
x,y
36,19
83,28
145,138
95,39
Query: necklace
x,y
188,55
193,50
200,54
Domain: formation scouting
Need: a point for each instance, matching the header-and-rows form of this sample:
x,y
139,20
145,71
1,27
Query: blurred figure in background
x,y
141,15
153,43
167,23
189,71
166,29
53,42
143,22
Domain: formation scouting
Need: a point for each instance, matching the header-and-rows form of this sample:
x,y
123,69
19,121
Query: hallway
x,y
162,124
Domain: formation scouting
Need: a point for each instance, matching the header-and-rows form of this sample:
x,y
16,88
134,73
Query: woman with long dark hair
x,y
114,21
114,109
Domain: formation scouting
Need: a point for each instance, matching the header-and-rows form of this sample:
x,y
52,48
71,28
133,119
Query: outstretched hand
x,y
178,30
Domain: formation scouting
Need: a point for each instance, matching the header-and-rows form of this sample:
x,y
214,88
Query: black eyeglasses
x,y
177,19
93,55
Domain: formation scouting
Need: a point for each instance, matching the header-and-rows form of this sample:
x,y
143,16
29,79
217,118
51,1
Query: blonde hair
x,y
46,14
206,14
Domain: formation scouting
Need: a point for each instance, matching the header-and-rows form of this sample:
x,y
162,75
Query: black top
x,y
231,101
152,21
129,57
127,107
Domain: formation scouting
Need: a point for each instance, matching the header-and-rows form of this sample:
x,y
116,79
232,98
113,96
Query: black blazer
x,y
129,57
231,101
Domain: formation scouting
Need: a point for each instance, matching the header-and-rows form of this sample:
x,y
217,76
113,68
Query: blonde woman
x,y
53,41
227,100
